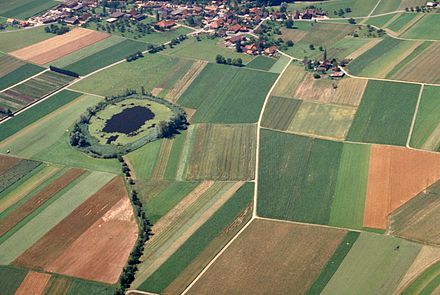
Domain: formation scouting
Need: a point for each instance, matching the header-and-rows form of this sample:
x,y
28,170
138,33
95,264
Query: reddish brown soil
x,y
33,284
102,251
7,162
271,257
52,244
59,46
38,199
396,175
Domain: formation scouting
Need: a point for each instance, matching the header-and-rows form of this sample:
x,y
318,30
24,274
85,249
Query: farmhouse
x,y
166,24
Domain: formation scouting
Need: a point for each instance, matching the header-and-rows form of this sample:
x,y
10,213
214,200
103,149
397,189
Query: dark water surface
x,y
129,120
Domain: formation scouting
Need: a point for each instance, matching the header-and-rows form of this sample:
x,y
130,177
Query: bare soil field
x,y
38,199
33,284
54,243
349,91
396,175
7,162
320,90
422,68
286,261
101,252
59,46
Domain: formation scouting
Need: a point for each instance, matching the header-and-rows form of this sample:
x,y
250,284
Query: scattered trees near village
x,y
57,30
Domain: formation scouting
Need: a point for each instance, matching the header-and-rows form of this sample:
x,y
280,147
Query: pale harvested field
x,y
59,46
320,90
424,68
294,35
183,84
427,256
271,257
349,91
162,159
364,48
104,248
33,284
156,91
396,175
289,82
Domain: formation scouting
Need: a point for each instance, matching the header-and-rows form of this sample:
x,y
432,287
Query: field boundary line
x,y
374,8
257,150
413,122
25,80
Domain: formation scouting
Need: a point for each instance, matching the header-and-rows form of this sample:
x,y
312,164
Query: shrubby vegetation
x,y
81,138
220,59
58,30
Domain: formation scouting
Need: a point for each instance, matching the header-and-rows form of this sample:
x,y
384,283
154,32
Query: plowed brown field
x,y
38,199
33,284
59,46
58,239
102,251
286,261
396,175
7,162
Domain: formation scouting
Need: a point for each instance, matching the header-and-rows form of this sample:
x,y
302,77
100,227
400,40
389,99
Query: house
x,y
85,17
166,24
234,29
111,20
337,74
71,20
270,50
11,21
117,15
250,49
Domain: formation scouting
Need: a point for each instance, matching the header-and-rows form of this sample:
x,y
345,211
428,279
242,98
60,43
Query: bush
x,y
316,76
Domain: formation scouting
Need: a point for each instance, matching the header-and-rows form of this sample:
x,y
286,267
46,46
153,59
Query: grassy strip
x,y
173,160
332,265
171,269
409,58
23,72
35,113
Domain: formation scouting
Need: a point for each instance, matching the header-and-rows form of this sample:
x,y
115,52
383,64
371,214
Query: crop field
x,y
144,159
289,81
34,89
22,38
261,63
426,283
421,67
236,95
385,113
300,250
59,46
381,21
403,21
151,71
23,9
206,49
370,253
297,177
13,170
106,57
34,282
382,58
228,214
279,112
426,28
345,47
416,220
222,152
322,119
396,175
426,133
13,71
358,7
35,142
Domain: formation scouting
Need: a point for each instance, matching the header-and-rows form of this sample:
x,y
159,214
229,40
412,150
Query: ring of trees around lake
x,y
120,124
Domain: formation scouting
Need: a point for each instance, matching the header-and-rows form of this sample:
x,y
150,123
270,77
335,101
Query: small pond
x,y
129,120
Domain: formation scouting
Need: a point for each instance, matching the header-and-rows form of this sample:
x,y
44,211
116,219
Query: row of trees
x,y
220,59
58,30
134,56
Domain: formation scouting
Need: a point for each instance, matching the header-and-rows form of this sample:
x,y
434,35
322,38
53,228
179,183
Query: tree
x,y
352,21
290,43
220,59
312,47
316,76
238,47
157,16
289,23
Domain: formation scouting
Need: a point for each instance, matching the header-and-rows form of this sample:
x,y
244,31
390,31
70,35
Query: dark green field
x,y
261,62
227,94
23,9
279,112
106,57
23,72
194,246
297,177
10,279
385,113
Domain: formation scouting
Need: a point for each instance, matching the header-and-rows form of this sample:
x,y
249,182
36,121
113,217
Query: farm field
x,y
34,89
236,94
300,250
279,112
303,189
370,253
416,220
385,113
59,46
53,147
358,7
14,71
261,63
426,133
396,175
403,22
22,38
206,49
193,255
23,9
425,28
106,57
222,152
153,71
426,283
